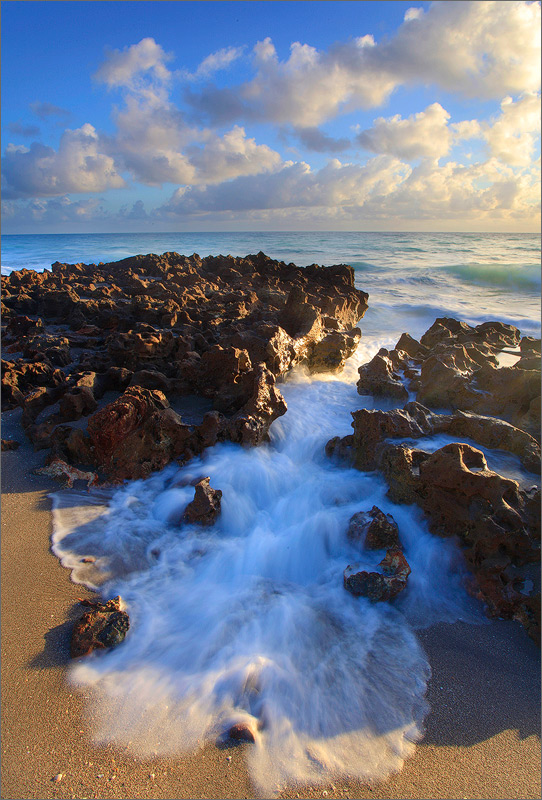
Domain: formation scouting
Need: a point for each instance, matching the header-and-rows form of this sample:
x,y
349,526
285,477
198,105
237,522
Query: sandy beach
x,y
482,735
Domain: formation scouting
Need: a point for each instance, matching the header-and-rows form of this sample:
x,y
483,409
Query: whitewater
x,y
248,621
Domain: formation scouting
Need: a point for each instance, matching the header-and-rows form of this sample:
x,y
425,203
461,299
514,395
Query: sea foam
x,y
248,621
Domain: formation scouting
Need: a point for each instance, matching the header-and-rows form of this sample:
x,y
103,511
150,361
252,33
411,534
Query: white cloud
x,y
231,155
123,68
480,49
77,166
425,134
385,190
215,62
513,135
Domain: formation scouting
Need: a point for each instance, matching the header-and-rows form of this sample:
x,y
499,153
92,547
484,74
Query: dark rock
x,y
242,732
374,530
9,444
103,626
205,507
383,585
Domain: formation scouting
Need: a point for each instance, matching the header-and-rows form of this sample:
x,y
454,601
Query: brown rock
x,y
374,530
383,585
103,626
205,507
242,732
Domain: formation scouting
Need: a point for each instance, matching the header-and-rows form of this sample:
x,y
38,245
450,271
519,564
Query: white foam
x,y
249,620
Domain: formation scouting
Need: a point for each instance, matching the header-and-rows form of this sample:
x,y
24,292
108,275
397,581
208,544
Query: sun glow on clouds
x,y
216,149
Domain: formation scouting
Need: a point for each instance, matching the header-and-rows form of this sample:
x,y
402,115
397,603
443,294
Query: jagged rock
x,y
136,434
221,327
379,377
76,403
331,352
58,469
383,585
373,427
374,530
103,626
205,507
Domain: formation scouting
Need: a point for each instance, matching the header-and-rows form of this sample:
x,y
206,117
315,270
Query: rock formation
x,y
454,366
121,344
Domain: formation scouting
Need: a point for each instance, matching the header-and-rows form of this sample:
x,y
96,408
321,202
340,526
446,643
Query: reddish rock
x,y
242,732
103,626
64,472
374,530
205,507
383,585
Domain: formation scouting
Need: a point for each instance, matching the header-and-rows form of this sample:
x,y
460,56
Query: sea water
x,y
248,621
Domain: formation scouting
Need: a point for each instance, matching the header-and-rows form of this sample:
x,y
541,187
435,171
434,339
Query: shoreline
x,y
482,737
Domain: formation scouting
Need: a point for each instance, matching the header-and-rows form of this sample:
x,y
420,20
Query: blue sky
x,y
120,116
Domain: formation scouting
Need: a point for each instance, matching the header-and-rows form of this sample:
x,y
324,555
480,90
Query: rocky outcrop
x,y
103,626
454,366
497,522
220,328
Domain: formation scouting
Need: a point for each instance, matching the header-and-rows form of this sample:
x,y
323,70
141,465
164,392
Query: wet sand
x,y
482,736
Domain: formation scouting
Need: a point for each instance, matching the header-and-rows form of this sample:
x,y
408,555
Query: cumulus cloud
x,y
425,134
513,135
480,49
385,189
52,211
123,68
294,185
77,166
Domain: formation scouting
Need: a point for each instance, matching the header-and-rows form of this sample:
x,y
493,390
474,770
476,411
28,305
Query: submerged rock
x,y
103,626
242,732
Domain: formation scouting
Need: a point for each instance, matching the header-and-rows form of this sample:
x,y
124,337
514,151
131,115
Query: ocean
x,y
249,620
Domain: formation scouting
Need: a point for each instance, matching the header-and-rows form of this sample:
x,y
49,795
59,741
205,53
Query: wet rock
x,y
136,434
374,530
242,732
103,626
205,507
331,352
384,585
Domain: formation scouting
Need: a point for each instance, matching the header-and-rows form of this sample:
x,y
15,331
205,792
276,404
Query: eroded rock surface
x,y
455,366
152,329
205,507
497,521
103,626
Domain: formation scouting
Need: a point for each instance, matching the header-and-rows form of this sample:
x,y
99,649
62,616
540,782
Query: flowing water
x,y
248,620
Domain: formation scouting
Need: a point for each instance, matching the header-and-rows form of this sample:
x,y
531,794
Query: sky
x,y
190,116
